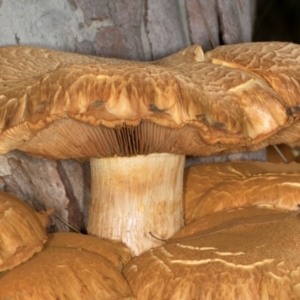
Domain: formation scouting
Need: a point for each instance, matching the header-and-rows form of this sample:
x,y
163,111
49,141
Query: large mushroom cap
x,y
65,273
64,105
252,255
215,187
22,231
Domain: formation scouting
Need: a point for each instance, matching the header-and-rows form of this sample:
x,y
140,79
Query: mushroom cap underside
x,y
65,105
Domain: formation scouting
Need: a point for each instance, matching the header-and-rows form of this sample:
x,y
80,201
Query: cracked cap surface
x,y
64,105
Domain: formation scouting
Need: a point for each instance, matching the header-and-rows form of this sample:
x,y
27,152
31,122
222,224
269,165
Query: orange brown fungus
x,y
249,253
123,113
275,63
211,188
114,251
22,231
65,273
74,101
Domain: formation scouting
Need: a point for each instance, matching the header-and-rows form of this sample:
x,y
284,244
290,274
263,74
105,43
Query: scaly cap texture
x,y
214,187
64,105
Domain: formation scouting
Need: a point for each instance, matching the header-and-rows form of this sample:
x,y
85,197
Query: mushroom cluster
x,y
244,251
135,122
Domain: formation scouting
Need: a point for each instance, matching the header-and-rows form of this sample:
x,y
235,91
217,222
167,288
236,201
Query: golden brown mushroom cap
x,y
114,251
22,232
65,105
253,255
215,187
65,273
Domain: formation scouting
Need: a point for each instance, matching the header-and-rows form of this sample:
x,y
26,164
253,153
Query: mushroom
x,y
115,252
22,231
65,273
251,254
215,187
277,64
136,121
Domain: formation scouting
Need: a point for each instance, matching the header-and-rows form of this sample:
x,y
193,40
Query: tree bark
x,y
128,29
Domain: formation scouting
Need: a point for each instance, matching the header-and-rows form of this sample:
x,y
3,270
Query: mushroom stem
x,y
132,196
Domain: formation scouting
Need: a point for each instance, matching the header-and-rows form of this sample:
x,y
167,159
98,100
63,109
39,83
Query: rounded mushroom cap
x,y
215,187
63,105
254,257
65,273
114,251
22,231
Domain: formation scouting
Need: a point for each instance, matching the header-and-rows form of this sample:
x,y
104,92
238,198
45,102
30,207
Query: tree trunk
x,y
139,30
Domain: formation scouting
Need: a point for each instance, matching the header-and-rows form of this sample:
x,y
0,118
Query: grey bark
x,y
140,30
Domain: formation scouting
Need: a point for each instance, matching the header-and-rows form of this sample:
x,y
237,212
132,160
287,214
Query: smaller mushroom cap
x,y
22,231
214,187
114,251
65,273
